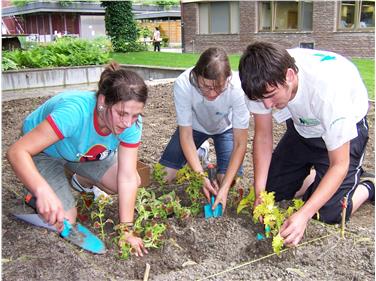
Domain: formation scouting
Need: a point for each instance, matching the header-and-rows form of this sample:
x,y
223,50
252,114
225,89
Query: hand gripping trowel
x,y
76,234
208,212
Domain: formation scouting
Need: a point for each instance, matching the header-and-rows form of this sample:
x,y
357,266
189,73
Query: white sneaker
x,y
94,189
203,153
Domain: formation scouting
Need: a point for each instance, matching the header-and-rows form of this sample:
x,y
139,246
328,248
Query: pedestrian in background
x,y
157,39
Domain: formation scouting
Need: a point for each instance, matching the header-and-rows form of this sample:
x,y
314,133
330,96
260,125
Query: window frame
x,y
357,15
273,14
209,18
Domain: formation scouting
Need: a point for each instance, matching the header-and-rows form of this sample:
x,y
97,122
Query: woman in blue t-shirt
x,y
96,136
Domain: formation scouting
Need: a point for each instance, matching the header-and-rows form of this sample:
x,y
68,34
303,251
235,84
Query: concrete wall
x,y
64,76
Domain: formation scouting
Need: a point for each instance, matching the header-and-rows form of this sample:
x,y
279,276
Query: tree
x,y
120,24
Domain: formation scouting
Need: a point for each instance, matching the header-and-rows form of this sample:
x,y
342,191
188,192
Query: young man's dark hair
x,y
261,65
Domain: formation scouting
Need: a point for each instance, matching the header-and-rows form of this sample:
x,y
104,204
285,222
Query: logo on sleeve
x,y
309,121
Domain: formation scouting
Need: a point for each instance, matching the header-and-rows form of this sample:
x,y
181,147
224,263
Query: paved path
x,y
51,91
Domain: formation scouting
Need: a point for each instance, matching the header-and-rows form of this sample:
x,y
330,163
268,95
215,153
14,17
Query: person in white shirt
x,y
157,40
324,100
209,103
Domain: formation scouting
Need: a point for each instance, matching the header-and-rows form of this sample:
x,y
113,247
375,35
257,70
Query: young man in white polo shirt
x,y
324,100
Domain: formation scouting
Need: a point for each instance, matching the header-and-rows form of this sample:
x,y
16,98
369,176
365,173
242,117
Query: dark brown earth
x,y
195,248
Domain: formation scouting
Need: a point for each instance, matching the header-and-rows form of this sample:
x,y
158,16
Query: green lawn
x,y
367,70
365,66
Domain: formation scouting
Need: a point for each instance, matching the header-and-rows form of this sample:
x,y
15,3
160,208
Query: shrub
x,y
121,26
62,52
125,47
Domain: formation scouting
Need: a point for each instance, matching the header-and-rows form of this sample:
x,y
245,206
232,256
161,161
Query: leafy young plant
x,y
246,202
159,174
195,182
99,216
273,217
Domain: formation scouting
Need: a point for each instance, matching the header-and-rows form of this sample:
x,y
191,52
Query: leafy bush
x,y
125,46
65,51
121,26
165,40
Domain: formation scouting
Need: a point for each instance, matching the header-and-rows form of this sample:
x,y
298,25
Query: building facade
x,y
345,27
43,20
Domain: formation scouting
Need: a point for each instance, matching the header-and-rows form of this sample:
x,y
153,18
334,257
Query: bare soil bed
x,y
195,248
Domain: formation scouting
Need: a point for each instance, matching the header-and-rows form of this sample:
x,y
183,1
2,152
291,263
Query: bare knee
x,y
71,215
359,197
170,174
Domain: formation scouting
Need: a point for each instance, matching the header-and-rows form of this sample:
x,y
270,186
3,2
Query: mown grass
x,y
366,66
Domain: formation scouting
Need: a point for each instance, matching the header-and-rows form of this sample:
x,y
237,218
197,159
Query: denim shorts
x,y
53,171
173,156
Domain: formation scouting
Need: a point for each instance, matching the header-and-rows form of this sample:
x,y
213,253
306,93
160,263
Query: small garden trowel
x,y
76,234
209,213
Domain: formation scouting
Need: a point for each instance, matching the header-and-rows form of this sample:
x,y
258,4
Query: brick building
x,y
346,27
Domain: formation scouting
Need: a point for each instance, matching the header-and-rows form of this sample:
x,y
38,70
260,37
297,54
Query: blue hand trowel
x,y
209,213
76,234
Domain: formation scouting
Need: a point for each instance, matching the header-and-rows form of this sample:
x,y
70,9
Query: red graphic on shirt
x,y
95,153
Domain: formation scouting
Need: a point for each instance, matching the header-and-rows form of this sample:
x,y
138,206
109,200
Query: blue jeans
x,y
173,156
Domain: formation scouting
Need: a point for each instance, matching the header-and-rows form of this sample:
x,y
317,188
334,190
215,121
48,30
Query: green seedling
x,y
125,248
159,174
99,216
271,215
236,193
84,205
246,202
154,235
195,182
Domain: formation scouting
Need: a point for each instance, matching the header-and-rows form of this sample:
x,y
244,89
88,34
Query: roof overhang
x,y
140,11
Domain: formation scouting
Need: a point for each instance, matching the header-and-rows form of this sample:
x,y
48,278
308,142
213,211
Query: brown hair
x,y
213,64
118,84
261,65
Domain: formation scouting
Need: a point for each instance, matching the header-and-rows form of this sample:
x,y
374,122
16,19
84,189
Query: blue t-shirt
x,y
73,117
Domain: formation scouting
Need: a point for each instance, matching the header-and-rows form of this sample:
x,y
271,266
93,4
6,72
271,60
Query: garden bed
x,y
194,248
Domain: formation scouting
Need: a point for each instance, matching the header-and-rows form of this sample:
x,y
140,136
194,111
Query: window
x,y
219,17
285,15
307,45
356,15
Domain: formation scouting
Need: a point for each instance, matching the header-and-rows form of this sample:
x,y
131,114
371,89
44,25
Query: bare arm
x,y
20,157
262,150
127,182
189,148
293,229
190,153
339,160
237,156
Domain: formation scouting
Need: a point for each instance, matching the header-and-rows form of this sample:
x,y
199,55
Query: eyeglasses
x,y
206,89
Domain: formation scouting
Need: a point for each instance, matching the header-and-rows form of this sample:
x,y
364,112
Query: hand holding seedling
x,y
293,228
137,245
49,207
